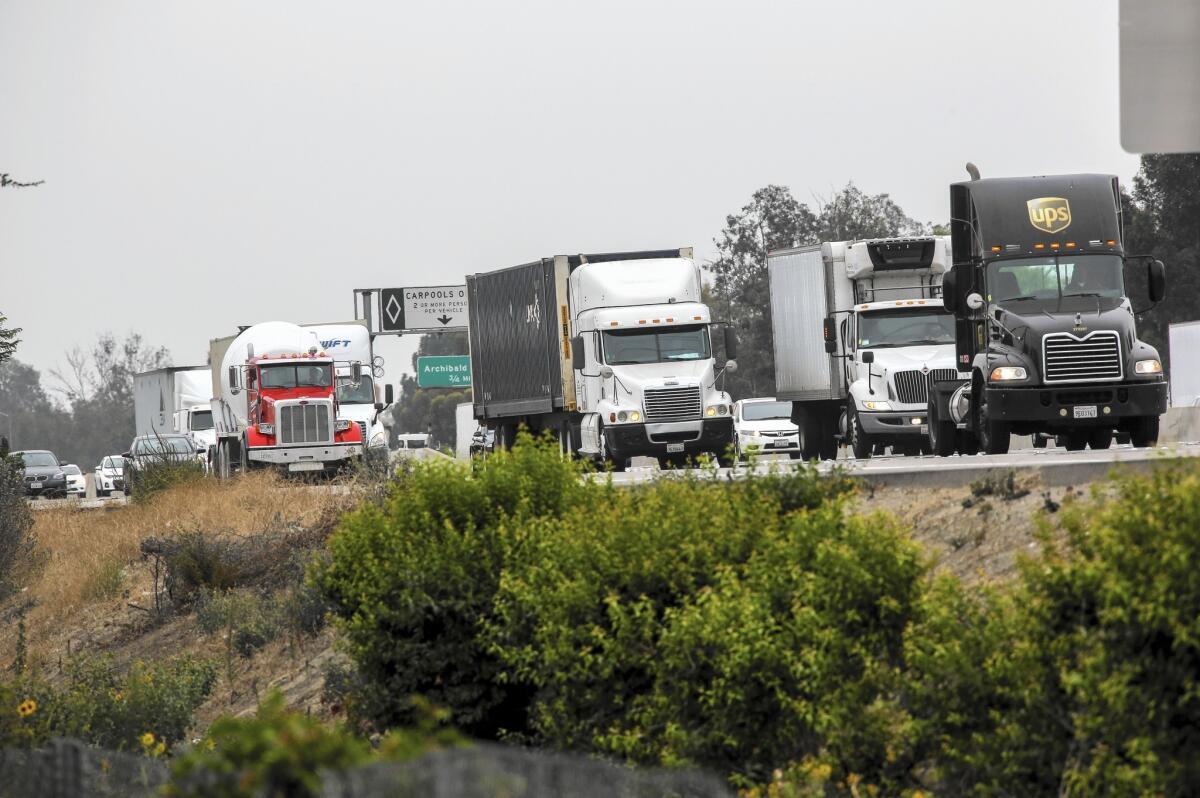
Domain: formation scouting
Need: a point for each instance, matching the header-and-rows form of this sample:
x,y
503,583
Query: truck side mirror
x,y
730,343
389,395
868,357
578,355
829,332
356,372
234,388
950,291
1157,281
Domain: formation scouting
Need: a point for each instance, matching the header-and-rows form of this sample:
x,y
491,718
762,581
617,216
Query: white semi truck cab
x,y
624,366
860,333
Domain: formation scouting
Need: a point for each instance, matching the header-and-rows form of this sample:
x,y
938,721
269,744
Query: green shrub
x,y
280,752
105,582
409,581
198,562
701,623
16,523
105,706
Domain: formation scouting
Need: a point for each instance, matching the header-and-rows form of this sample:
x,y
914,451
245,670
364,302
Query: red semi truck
x,y
275,402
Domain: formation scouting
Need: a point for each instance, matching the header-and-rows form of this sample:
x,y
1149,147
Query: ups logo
x,y
1049,214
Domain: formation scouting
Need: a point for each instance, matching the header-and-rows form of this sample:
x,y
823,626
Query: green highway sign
x,y
444,371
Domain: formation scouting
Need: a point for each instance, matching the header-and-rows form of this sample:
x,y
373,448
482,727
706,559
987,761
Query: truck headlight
x,y
1008,373
379,439
876,404
265,428
342,425
716,410
1151,366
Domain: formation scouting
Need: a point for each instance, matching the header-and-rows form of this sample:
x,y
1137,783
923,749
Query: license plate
x,y
35,485
781,443
674,447
305,466
1085,411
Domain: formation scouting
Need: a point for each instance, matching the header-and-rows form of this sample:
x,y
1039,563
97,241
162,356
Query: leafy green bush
x,y
280,752
16,523
104,706
409,581
156,475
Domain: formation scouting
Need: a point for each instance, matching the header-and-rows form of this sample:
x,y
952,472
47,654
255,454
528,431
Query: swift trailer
x,y
860,333
1046,343
175,400
612,353
275,403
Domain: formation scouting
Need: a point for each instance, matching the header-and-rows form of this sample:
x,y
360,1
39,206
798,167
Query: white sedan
x,y
109,475
76,482
764,426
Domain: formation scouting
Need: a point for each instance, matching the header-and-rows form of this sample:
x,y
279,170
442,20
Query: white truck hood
x,y
685,372
937,356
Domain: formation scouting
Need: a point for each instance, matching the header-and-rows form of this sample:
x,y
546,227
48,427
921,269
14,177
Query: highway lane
x,y
1054,466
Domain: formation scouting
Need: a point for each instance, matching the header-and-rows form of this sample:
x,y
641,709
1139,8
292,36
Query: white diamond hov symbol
x,y
393,309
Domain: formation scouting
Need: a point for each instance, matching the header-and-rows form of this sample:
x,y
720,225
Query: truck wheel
x,y
1039,441
1144,432
993,435
1100,438
1075,441
607,460
941,433
810,435
966,442
860,442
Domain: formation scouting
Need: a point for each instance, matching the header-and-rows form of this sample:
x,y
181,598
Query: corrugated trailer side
x,y
516,358
800,284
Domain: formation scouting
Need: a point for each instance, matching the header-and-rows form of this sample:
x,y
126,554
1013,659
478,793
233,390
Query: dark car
x,y
43,473
147,451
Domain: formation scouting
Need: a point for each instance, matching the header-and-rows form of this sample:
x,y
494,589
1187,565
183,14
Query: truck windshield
x,y
761,411
364,394
292,376
1054,277
202,419
659,345
879,328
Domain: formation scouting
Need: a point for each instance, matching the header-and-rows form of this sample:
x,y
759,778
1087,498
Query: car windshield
x,y
316,375
626,347
113,462
202,419
1054,277
882,328
761,411
364,394
73,470
418,443
38,459
175,444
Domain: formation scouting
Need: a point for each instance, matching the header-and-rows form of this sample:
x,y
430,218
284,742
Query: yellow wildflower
x,y
27,707
147,739
160,749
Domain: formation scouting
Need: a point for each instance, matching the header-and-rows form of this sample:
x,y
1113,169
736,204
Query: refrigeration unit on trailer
x,y
275,402
1046,342
175,400
364,402
859,333
612,353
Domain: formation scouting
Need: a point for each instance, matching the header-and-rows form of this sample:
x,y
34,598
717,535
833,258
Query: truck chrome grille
x,y
912,387
673,404
1096,356
362,430
308,423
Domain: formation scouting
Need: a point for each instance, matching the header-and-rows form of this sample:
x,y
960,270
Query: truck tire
x,y
941,432
1100,438
1039,440
993,435
810,434
607,461
1144,432
1075,441
860,442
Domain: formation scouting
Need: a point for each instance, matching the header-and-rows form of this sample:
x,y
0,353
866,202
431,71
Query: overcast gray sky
x,y
215,163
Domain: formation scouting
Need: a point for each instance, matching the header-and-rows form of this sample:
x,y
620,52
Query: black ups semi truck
x,y
1046,342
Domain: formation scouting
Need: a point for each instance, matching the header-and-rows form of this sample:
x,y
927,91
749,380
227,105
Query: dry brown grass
x,y
76,545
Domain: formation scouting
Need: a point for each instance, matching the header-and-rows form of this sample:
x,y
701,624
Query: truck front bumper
x,y
895,422
299,458
678,438
1062,406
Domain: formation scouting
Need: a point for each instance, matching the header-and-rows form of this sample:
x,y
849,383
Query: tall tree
x,y
8,339
774,219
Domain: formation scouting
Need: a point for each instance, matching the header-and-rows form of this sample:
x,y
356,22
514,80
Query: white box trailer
x,y
1184,340
859,331
160,395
